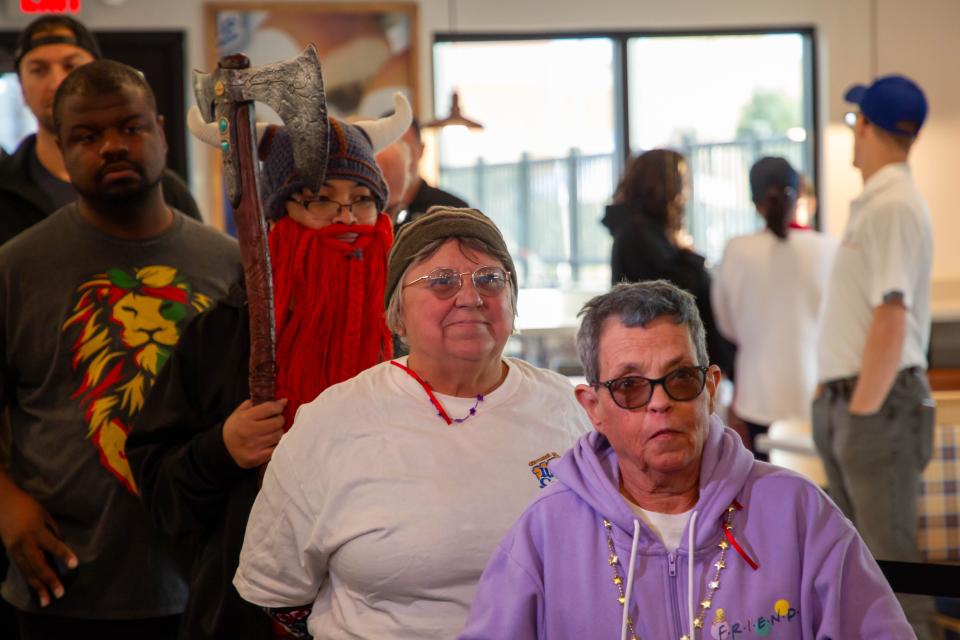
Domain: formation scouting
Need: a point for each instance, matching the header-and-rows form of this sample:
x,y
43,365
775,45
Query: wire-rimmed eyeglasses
x,y
362,207
444,282
633,392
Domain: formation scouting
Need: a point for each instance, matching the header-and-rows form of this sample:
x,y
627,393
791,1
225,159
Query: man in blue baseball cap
x,y
873,416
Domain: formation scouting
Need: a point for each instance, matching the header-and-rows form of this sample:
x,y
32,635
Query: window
x,y
16,121
561,111
544,165
723,102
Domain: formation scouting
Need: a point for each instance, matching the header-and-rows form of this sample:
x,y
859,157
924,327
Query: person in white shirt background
x,y
873,416
767,295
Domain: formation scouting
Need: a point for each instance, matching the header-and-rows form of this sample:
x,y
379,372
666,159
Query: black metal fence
x,y
550,209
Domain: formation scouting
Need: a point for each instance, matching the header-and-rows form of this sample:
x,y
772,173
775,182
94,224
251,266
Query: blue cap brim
x,y
855,94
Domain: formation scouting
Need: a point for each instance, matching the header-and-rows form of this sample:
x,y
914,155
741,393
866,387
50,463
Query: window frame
x,y
620,41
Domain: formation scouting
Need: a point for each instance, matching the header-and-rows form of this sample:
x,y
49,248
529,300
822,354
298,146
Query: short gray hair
x,y
469,243
637,305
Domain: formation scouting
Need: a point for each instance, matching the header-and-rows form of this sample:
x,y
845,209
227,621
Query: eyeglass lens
x,y
330,208
444,283
633,392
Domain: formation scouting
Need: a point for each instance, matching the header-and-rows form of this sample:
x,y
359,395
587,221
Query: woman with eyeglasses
x,y
383,503
661,525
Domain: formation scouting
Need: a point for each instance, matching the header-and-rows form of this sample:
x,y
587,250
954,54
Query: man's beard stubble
x,y
121,205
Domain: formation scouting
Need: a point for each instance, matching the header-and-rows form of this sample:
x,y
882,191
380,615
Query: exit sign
x,y
49,6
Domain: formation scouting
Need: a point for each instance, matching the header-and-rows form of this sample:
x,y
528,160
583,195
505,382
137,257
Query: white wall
x,y
915,37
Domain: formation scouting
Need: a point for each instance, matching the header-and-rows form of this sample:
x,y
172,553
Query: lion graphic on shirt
x,y
129,321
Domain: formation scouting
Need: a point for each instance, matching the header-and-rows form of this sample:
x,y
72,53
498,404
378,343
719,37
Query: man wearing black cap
x,y
33,181
873,416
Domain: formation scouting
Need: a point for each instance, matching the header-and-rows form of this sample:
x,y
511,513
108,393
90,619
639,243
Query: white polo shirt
x,y
887,247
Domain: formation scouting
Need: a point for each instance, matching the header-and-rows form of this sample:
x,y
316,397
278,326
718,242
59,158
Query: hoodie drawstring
x,y
691,536
626,596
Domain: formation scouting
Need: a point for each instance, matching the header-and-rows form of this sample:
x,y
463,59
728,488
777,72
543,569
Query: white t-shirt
x,y
887,247
666,526
767,296
384,516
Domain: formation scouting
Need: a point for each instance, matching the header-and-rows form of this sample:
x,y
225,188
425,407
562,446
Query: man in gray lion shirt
x,y
92,302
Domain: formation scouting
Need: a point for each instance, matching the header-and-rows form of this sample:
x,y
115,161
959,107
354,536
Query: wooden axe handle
x,y
255,253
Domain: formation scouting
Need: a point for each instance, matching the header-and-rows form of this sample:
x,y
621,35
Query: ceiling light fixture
x,y
456,117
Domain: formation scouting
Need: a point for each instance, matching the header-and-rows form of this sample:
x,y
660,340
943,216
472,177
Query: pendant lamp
x,y
456,117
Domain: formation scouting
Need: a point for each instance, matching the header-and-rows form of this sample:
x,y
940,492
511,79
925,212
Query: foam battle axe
x,y
294,89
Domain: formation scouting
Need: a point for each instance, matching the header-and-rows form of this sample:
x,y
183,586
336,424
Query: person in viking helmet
x,y
196,450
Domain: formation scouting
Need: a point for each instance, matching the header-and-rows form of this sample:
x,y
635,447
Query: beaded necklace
x,y
712,586
433,399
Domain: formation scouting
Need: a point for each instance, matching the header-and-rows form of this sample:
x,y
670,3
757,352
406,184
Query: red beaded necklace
x,y
433,399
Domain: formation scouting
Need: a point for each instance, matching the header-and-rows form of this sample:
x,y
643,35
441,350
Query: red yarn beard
x,y
328,299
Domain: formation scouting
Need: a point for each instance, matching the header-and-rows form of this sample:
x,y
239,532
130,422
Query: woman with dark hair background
x,y
646,219
767,293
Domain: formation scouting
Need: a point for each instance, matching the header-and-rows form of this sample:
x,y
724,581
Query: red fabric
x,y
729,534
328,300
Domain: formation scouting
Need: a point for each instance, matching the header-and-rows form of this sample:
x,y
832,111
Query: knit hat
x,y
351,150
351,158
772,172
42,31
436,224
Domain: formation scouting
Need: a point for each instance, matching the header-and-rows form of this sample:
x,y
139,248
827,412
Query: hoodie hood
x,y
590,470
617,217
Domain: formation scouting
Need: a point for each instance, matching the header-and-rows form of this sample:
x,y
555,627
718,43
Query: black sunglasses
x,y
633,392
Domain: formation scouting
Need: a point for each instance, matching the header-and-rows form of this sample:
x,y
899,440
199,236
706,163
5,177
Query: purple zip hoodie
x,y
550,577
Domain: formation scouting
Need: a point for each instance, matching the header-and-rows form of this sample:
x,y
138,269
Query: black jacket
x,y
641,251
193,489
23,203
426,197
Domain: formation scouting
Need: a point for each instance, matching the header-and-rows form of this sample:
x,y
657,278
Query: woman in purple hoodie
x,y
661,525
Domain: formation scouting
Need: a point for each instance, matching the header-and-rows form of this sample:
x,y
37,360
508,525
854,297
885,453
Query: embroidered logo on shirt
x,y
724,629
124,327
541,471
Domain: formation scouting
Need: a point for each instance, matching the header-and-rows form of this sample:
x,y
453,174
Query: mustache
x,y
119,165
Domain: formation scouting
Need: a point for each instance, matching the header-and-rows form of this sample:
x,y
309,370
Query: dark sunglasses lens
x,y
685,383
630,392
489,281
443,283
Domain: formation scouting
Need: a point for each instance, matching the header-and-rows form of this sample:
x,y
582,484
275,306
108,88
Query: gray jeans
x,y
874,464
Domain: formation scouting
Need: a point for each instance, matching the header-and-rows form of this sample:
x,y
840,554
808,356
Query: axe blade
x,y
294,89
203,84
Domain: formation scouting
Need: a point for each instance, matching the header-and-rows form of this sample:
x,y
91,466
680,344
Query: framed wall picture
x,y
367,51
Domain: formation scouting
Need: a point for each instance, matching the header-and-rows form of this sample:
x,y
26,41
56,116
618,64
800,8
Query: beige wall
x,y
916,37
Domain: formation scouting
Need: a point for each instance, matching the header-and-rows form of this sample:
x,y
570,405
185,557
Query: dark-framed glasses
x,y
633,392
444,282
361,207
